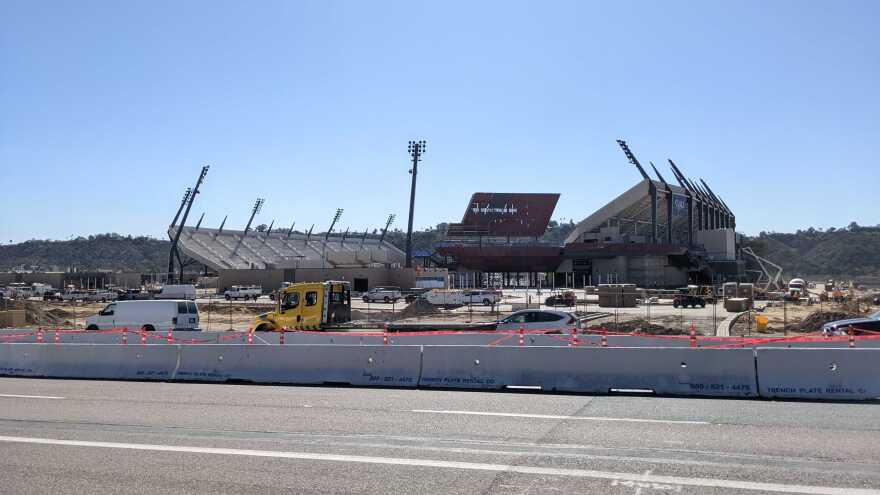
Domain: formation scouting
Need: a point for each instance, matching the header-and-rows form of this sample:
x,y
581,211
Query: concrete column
x,y
653,190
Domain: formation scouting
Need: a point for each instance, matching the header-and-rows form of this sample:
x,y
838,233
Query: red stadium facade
x,y
500,232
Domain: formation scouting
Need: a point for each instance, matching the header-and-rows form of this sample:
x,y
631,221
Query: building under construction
x,y
655,234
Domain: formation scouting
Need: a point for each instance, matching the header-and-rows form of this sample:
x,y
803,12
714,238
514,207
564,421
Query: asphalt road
x,y
70,436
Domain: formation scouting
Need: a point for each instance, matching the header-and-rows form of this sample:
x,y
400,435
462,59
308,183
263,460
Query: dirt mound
x,y
36,315
639,326
814,321
419,308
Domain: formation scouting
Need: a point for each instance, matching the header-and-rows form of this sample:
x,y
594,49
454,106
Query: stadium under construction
x,y
656,234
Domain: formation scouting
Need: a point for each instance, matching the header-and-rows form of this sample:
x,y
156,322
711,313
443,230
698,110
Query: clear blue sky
x,y
108,109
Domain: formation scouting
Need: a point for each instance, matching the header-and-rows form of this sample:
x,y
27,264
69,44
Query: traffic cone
x,y
604,338
125,336
385,334
250,336
143,337
522,336
40,335
852,338
574,336
57,336
693,335
170,337
281,338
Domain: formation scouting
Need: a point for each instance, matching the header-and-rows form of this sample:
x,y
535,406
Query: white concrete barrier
x,y
88,361
811,373
701,372
387,366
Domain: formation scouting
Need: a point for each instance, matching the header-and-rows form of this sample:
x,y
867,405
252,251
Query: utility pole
x,y
416,149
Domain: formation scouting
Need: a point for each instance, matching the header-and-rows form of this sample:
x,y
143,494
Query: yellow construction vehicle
x,y
308,306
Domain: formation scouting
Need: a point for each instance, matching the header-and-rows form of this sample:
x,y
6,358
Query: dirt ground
x,y
791,318
223,316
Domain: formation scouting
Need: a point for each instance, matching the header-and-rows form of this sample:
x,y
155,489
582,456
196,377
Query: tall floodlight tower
x,y
416,150
388,223
188,201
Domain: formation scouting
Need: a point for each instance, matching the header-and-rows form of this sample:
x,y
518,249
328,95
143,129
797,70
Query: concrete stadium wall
x,y
272,278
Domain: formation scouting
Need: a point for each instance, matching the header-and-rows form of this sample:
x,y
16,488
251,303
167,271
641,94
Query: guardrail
x,y
595,364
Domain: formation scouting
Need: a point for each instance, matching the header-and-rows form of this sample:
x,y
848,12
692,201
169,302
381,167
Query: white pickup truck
x,y
100,296
384,294
243,292
486,297
74,295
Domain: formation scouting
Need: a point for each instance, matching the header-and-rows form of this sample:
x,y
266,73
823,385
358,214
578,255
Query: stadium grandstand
x,y
236,249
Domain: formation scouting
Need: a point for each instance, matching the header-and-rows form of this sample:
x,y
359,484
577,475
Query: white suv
x,y
384,294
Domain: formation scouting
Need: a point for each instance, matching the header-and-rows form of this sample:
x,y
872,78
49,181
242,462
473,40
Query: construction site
x,y
661,257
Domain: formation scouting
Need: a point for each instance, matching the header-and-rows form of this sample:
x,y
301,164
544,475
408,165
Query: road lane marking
x,y
14,396
471,466
554,416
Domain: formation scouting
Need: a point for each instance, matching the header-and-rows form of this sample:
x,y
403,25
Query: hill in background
x,y
103,251
847,252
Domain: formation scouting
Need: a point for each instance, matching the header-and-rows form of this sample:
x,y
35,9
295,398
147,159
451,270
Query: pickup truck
x,y
75,295
568,298
243,292
100,296
384,294
486,297
685,300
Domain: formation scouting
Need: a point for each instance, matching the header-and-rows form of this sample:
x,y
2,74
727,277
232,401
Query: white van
x,y
147,315
184,291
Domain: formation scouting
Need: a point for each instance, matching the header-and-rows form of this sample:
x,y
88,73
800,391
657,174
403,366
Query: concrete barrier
x,y
700,372
387,366
88,361
809,373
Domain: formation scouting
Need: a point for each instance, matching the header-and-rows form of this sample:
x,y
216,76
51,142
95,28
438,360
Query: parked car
x,y
384,294
182,291
876,301
486,297
243,292
858,326
146,315
568,298
539,319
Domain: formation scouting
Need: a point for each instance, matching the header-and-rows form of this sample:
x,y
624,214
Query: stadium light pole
x,y
416,149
